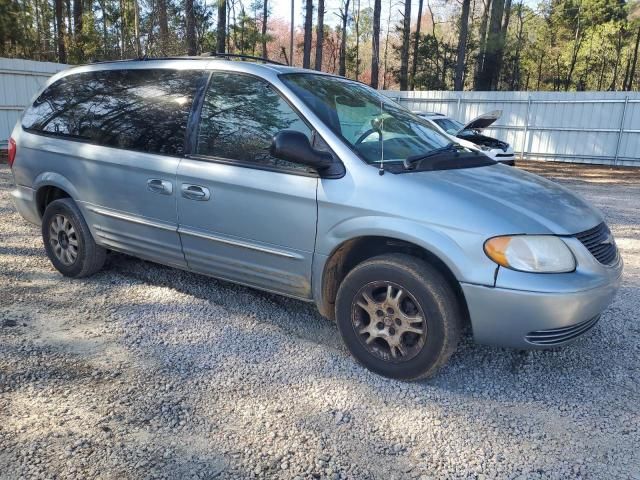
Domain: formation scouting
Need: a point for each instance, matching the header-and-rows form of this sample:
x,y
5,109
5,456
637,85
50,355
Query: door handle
x,y
195,192
163,187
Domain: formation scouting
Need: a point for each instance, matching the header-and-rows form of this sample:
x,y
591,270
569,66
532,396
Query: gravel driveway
x,y
148,372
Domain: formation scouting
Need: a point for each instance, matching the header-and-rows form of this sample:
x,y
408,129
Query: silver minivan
x,y
313,186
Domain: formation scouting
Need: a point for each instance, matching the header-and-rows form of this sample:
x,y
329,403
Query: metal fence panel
x,y
589,127
20,80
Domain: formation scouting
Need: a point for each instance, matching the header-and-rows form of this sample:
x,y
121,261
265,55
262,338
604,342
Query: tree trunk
x,y
136,27
404,52
308,32
77,18
356,16
416,46
231,13
38,36
503,38
515,81
123,29
577,42
69,15
542,55
164,26
614,81
462,45
342,68
482,38
375,44
489,73
60,27
601,78
632,72
320,35
265,15
386,51
626,73
105,36
190,28
221,29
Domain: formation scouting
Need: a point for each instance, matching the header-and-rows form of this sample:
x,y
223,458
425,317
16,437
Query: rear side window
x,y
143,110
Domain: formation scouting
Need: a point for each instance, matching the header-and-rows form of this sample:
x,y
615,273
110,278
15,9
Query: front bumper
x,y
507,157
529,319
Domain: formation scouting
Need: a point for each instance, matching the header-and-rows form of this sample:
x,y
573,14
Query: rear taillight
x,y
12,152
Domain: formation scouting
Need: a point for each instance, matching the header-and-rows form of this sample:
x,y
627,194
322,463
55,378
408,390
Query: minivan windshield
x,y
377,128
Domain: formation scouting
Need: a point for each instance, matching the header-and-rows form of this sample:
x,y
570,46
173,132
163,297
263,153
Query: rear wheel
x,y
68,241
398,316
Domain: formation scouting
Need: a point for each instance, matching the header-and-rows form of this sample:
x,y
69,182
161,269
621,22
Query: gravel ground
x,y
143,371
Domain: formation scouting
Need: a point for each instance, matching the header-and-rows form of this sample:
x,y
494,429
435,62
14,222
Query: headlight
x,y
531,253
485,148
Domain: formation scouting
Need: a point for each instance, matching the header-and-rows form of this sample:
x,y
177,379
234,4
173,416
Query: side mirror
x,y
294,147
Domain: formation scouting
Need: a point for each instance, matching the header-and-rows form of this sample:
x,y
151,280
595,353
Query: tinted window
x,y
144,110
240,116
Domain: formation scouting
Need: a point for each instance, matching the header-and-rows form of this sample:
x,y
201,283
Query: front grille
x,y
504,154
599,241
556,336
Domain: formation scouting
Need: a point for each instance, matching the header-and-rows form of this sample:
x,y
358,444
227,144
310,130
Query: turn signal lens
x,y
531,253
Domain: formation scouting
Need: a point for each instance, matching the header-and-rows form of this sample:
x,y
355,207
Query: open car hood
x,y
482,122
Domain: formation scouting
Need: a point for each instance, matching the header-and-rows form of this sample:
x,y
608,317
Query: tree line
x,y
420,44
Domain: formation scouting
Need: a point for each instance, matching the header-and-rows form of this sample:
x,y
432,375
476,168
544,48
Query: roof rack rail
x,y
145,58
242,57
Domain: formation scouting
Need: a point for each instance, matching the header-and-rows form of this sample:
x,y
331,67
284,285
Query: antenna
x,y
381,140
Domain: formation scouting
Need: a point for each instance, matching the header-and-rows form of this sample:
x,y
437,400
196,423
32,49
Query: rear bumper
x,y
24,199
525,319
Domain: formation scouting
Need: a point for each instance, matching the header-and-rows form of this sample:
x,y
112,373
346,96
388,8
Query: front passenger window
x,y
240,115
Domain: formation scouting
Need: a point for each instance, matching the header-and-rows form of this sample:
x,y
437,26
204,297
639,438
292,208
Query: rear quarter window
x,y
142,110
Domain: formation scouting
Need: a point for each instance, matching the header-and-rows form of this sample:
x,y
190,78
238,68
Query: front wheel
x,y
398,316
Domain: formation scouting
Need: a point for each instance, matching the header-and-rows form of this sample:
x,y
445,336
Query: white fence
x,y
585,127
588,127
20,80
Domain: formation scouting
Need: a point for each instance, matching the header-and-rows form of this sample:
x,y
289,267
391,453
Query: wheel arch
x,y
51,186
355,250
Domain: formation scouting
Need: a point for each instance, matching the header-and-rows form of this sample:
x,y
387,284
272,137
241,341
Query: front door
x,y
244,215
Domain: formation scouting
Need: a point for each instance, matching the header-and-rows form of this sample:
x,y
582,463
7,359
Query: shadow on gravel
x,y
298,318
503,375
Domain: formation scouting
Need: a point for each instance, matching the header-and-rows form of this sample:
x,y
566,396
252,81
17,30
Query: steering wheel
x,y
363,137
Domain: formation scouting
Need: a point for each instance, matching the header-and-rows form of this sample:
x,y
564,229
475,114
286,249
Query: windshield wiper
x,y
450,147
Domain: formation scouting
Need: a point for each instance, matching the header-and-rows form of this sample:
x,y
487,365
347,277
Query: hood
x,y
510,200
482,122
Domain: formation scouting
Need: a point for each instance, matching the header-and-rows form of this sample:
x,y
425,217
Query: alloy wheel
x,y
63,239
389,321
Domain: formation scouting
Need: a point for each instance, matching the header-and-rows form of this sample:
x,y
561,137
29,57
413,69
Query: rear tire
x,y
398,316
68,241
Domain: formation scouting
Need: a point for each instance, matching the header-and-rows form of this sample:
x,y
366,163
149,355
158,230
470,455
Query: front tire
x,y
68,241
398,316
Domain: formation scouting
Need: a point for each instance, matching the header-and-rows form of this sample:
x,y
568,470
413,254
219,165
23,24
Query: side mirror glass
x,y
294,146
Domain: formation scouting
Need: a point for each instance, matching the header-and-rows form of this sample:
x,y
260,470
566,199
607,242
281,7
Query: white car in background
x,y
470,135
